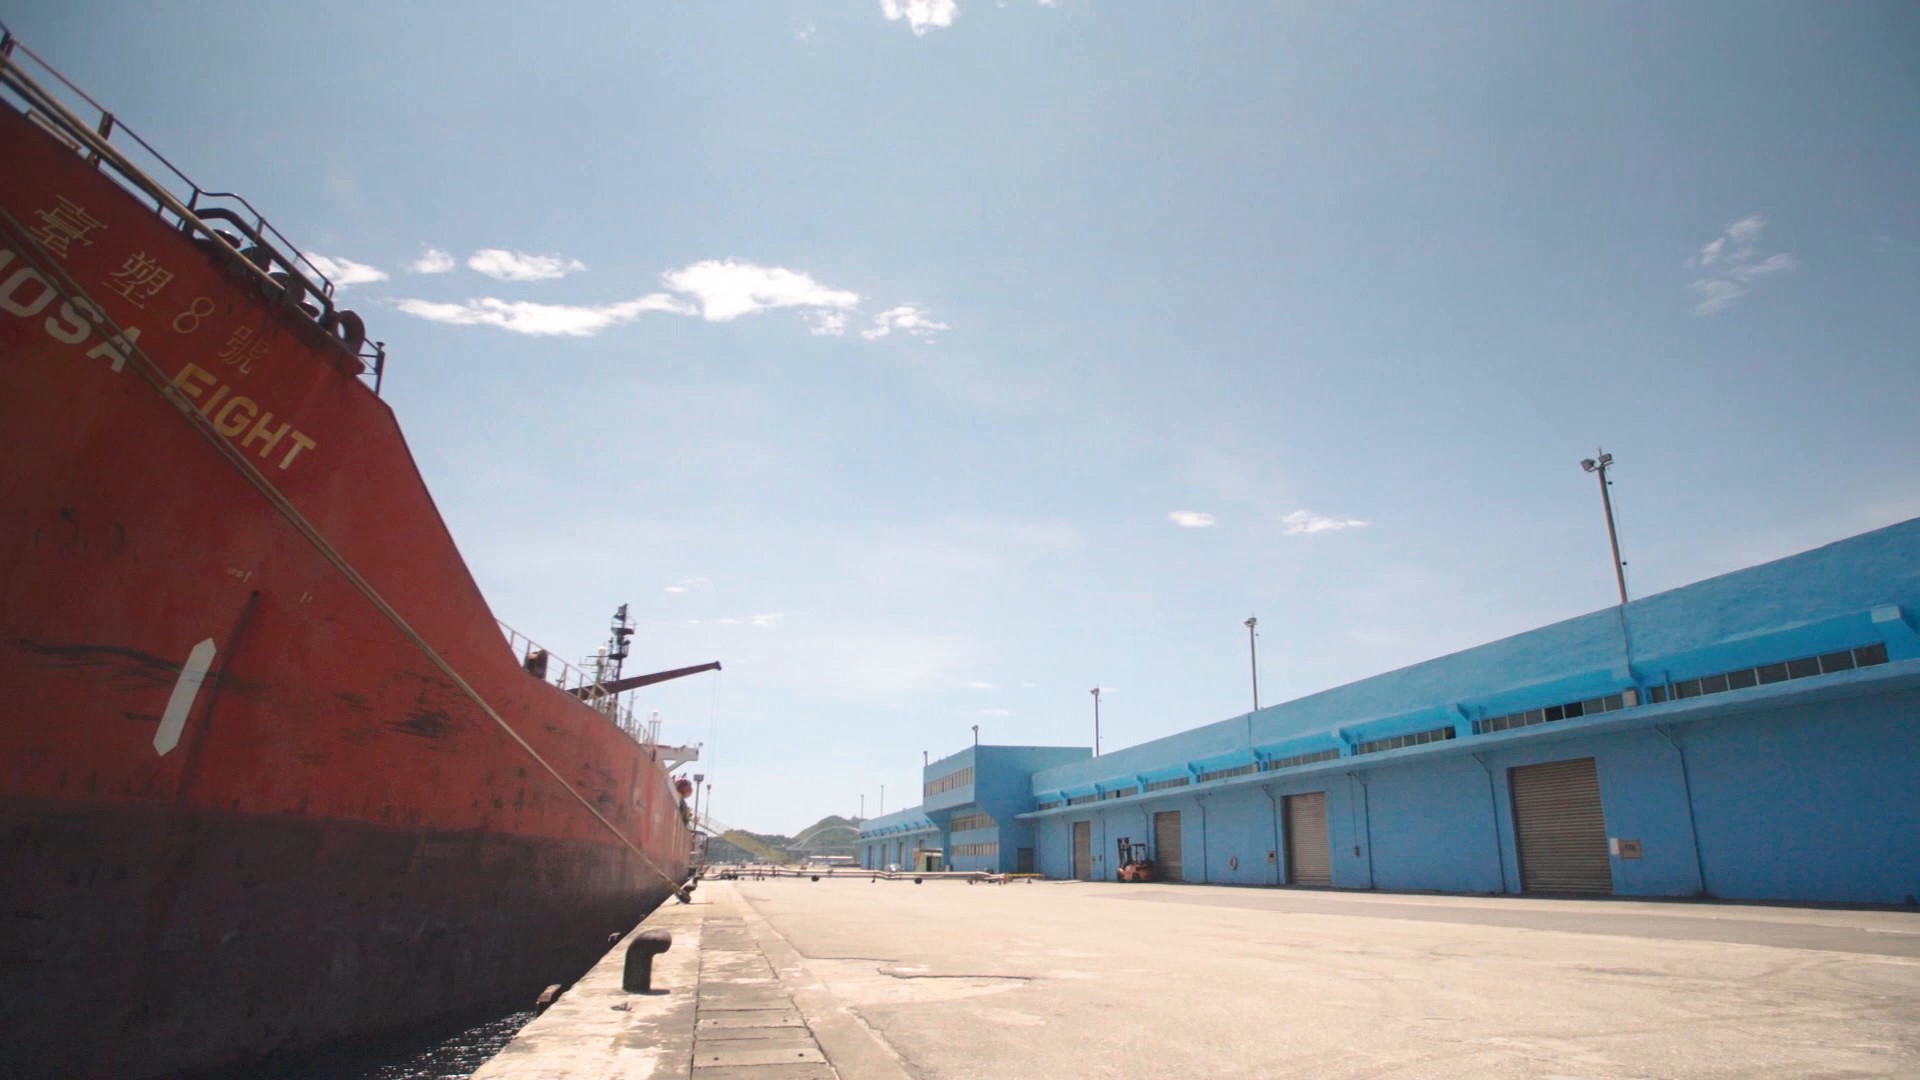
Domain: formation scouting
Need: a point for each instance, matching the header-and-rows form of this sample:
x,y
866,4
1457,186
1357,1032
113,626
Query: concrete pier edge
x,y
722,1009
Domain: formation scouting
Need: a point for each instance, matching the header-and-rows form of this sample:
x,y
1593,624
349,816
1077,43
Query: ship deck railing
x,y
52,102
542,663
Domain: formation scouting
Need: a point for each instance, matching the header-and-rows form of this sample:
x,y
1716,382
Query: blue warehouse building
x,y
1752,736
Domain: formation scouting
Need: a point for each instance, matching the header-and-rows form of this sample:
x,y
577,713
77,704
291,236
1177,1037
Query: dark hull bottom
x,y
138,941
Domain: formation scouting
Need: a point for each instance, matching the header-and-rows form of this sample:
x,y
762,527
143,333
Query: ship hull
x,y
173,941
269,774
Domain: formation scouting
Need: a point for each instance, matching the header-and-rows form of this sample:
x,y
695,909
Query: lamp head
x,y
1587,464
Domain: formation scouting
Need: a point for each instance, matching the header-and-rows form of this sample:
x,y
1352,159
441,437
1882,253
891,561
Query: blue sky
x,y
1352,288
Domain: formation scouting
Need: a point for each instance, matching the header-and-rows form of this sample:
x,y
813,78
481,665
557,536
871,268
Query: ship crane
x,y
608,683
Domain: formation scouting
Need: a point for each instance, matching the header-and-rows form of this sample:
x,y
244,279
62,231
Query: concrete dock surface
x,y
861,979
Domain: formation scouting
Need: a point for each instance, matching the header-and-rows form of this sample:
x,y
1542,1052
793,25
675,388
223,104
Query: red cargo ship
x,y
269,773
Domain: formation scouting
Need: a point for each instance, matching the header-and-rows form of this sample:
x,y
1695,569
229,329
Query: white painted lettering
x,y
10,289
79,318
117,348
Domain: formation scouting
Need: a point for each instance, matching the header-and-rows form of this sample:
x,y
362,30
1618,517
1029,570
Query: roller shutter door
x,y
1560,830
1083,851
1166,846
1309,861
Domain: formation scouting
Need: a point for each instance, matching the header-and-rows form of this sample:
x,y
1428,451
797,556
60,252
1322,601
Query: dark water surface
x,y
447,1049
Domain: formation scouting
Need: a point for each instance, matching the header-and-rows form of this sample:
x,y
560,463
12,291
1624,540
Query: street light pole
x,y
883,800
698,779
1253,659
1598,466
1096,721
976,734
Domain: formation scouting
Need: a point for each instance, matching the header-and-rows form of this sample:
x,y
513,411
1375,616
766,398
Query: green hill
x,y
831,835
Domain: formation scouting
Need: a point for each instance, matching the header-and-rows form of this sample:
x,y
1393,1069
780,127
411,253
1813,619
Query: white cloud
x,y
996,712
766,620
1306,521
506,265
431,261
728,288
921,15
718,290
1191,519
1729,266
977,685
345,272
908,319
521,317
689,583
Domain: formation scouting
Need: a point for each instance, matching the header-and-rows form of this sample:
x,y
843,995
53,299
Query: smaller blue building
x,y
968,818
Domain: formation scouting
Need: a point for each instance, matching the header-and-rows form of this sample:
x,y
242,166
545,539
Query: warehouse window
x,y
1052,805
1395,742
1222,774
1299,759
964,822
950,781
1766,674
1162,785
1082,800
992,848
1626,699
1120,793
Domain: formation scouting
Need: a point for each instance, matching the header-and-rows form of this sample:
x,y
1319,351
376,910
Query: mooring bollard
x,y
638,978
547,997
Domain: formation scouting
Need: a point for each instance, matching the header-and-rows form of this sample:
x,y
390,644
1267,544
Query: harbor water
x,y
447,1049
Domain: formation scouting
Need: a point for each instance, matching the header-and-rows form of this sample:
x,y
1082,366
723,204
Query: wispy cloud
x,y
504,265
717,290
762,621
1729,264
978,685
996,712
921,15
686,584
908,319
1306,521
1191,519
431,261
726,289
345,272
521,317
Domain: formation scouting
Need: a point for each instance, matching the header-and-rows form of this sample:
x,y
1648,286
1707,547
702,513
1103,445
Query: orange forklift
x,y
1134,863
